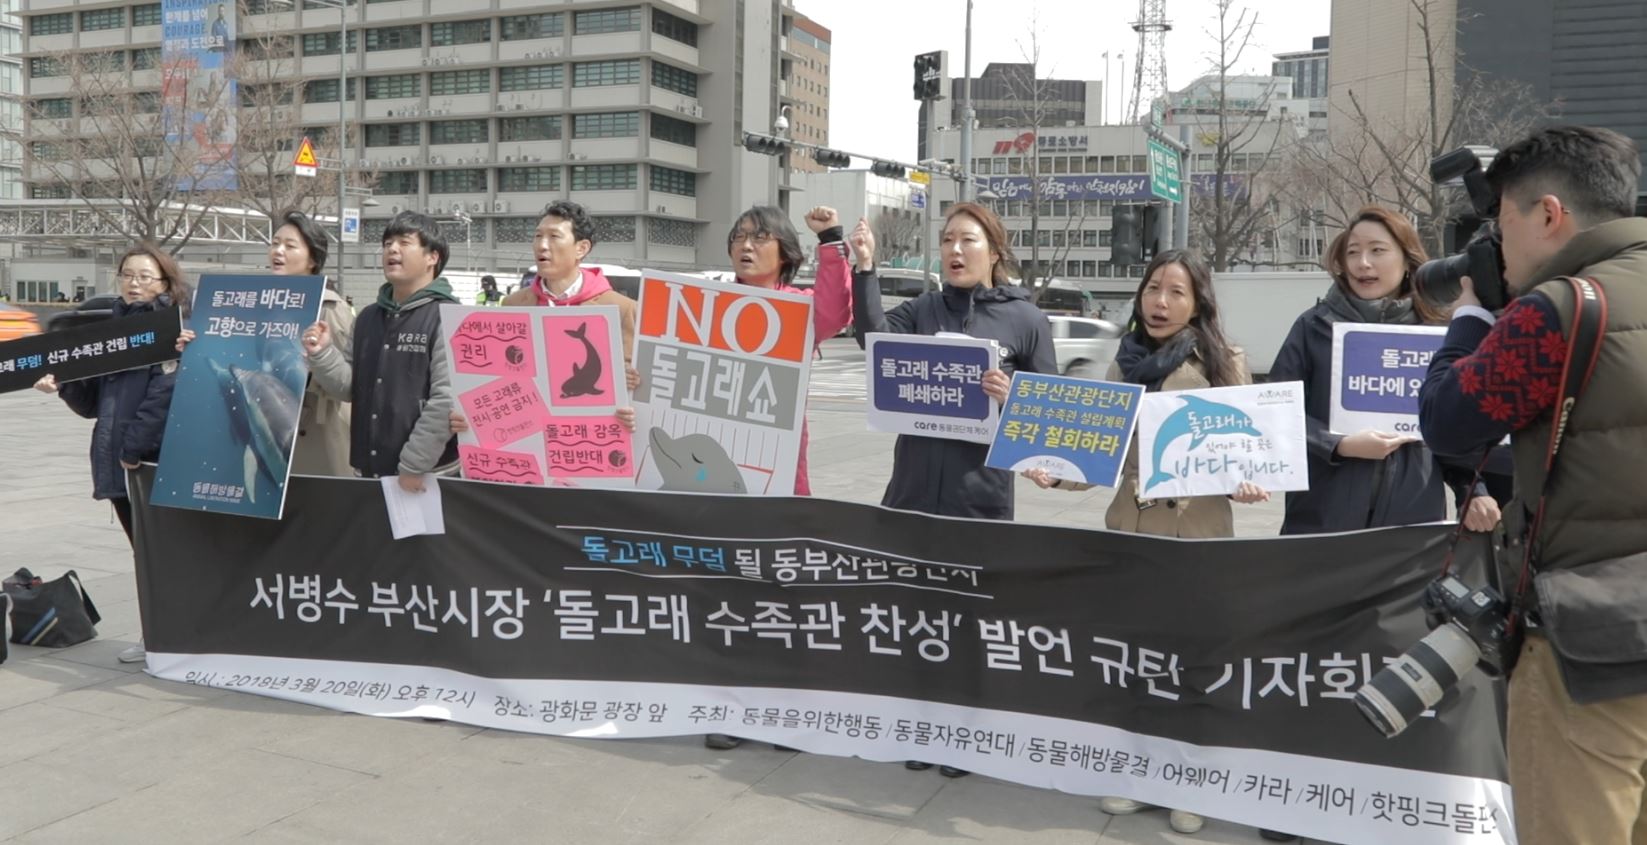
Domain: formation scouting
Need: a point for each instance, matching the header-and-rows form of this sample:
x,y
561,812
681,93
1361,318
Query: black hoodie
x,y
948,477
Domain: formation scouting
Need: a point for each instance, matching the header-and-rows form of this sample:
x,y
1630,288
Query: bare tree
x,y
897,234
1036,107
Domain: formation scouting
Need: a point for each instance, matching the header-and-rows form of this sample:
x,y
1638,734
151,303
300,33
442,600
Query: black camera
x,y
1482,258
1471,628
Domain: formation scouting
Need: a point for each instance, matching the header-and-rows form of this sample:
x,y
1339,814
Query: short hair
x,y
767,220
427,231
488,278
1595,172
177,287
583,226
994,233
313,236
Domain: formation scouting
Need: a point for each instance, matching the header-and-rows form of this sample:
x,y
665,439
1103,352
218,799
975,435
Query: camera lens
x,y
1440,280
1417,680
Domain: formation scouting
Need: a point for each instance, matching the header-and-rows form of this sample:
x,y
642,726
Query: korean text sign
x,y
1377,371
931,386
234,414
95,349
1206,442
1075,429
722,398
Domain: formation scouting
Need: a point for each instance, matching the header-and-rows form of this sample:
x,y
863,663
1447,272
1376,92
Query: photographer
x,y
1566,198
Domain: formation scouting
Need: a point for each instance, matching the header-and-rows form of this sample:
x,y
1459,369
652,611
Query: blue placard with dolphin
x,y
234,414
1076,429
1206,442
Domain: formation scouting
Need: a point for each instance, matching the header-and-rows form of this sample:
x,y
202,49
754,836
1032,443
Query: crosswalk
x,y
838,378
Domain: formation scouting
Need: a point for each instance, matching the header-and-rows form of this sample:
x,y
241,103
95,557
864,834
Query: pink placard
x,y
588,447
497,465
579,352
494,344
504,410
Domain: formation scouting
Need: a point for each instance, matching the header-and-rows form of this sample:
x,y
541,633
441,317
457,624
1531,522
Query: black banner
x,y
1212,676
93,349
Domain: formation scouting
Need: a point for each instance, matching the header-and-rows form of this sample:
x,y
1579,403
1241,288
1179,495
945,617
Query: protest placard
x,y
1075,429
1377,371
1206,442
94,349
931,386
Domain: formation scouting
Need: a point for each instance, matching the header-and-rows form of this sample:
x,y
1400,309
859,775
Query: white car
x,y
1084,346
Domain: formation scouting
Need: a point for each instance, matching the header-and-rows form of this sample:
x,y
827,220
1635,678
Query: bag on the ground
x,y
51,614
1595,617
5,624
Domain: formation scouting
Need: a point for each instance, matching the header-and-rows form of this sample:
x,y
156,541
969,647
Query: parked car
x,y
100,307
17,323
1084,346
1060,298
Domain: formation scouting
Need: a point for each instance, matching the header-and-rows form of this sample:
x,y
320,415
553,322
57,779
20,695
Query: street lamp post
x,y
463,217
342,115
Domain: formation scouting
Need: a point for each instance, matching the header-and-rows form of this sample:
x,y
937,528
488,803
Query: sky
x,y
872,110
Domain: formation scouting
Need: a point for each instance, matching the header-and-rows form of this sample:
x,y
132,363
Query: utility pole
x,y
968,190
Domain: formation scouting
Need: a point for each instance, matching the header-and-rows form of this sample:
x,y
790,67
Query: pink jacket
x,y
831,311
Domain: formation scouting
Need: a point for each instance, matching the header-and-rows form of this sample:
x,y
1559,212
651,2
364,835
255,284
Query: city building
x,y
893,208
1307,69
11,102
1007,94
478,116
804,86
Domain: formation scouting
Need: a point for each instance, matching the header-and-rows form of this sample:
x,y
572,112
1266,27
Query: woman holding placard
x,y
1368,478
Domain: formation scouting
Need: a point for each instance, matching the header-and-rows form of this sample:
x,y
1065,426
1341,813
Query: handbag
x,y
1595,614
50,614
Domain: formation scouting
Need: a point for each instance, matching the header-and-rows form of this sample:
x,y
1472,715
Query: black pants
x,y
123,510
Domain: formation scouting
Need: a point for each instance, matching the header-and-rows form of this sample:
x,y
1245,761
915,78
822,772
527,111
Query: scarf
x,y
1344,308
1143,361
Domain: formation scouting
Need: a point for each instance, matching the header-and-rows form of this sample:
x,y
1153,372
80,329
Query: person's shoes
x,y
952,772
721,742
135,654
916,765
1122,806
1277,836
1184,821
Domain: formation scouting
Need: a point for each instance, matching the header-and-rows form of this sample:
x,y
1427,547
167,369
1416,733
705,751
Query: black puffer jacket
x,y
948,477
130,408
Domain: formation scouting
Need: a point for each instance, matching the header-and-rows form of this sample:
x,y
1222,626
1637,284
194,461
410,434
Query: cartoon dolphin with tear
x,y
695,463
1198,419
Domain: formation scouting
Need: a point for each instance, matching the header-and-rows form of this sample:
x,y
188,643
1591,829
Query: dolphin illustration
x,y
585,380
281,355
695,463
263,414
1199,419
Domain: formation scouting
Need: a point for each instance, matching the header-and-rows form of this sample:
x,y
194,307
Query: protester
x,y
948,477
489,293
1175,342
1567,196
396,372
130,406
766,253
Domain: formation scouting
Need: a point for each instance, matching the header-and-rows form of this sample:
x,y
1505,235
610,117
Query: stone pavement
x,y
96,751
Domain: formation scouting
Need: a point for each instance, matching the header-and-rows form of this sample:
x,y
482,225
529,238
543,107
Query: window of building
x,y
147,14
396,181
325,90
1077,164
1058,238
672,181
536,128
453,33
530,77
671,78
104,62
269,47
515,230
325,43
605,177
544,178
671,232
394,38
450,82
621,124
666,128
981,167
1015,166
102,19
618,72
607,20
393,134
1107,164
673,28
1089,237
519,27
612,230
54,108
458,132
58,24
392,87
457,181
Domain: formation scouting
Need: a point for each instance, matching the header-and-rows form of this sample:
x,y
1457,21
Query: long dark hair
x,y
1216,352
1412,250
766,220
177,287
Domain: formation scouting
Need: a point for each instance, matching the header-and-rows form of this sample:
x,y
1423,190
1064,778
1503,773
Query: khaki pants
x,y
1576,769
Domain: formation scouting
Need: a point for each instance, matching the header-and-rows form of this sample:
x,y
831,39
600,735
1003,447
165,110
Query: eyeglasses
x,y
756,238
128,278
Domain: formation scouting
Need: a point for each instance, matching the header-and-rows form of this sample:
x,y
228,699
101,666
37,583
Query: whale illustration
x,y
1198,420
695,463
263,415
585,379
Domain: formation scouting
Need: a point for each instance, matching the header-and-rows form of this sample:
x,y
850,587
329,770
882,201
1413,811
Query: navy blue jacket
x,y
130,408
948,477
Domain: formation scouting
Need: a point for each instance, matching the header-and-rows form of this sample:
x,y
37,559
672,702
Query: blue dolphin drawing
x,y
1198,419
585,378
263,414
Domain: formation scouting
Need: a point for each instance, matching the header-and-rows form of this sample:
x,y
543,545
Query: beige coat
x,y
323,430
1198,517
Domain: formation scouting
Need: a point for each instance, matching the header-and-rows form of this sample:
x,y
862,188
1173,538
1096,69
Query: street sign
x,y
917,198
1165,180
920,177
305,163
351,225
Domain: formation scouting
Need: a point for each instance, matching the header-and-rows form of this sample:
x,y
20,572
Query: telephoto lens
x,y
1395,697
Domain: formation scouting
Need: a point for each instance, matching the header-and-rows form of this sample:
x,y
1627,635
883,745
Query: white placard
x,y
1206,442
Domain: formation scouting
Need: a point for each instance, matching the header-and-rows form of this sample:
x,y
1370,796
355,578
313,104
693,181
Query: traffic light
x,y
889,169
1149,231
1125,240
831,158
764,144
929,75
